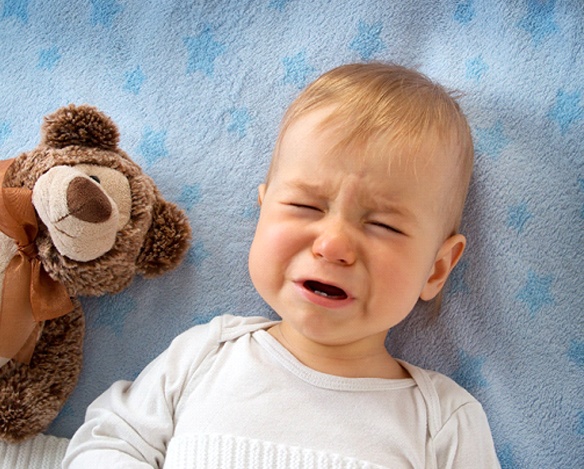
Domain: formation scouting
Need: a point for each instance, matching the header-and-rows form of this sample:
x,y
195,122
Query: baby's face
x,y
345,247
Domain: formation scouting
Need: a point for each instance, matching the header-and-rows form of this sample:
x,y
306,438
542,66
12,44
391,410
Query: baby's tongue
x,y
328,291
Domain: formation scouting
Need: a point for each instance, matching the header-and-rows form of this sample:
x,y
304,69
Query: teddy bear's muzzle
x,y
81,217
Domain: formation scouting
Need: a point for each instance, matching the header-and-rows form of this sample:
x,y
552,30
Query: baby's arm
x,y
130,425
127,426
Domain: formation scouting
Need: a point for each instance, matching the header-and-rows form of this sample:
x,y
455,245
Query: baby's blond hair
x,y
381,106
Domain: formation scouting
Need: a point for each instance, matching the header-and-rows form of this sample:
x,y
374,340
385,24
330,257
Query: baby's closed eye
x,y
385,226
305,206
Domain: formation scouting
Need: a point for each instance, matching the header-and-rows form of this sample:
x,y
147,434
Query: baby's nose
x,y
334,244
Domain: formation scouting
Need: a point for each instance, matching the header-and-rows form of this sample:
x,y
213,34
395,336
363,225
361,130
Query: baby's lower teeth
x,y
324,294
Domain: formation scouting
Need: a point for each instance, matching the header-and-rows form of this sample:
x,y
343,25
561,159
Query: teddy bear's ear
x,y
166,242
80,125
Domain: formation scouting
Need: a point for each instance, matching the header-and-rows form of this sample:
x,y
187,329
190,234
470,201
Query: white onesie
x,y
228,395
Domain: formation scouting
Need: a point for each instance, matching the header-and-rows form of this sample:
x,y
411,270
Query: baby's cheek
x,y
282,240
399,273
267,254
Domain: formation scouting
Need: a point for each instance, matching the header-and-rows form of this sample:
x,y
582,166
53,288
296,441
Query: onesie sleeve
x,y
460,437
130,425
465,440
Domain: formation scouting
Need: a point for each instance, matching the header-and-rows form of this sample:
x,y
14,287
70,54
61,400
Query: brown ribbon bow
x,y
29,295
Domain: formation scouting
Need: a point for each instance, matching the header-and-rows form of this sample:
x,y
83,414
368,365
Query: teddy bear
x,y
77,218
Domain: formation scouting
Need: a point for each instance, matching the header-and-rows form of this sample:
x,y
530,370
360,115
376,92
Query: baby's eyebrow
x,y
392,209
316,190
382,203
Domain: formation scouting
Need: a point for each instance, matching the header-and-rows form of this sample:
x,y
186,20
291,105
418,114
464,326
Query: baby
x,y
359,220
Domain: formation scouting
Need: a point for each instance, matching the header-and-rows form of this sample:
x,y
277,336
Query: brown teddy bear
x,y
77,218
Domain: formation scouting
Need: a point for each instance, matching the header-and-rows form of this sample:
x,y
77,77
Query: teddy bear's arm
x,y
167,240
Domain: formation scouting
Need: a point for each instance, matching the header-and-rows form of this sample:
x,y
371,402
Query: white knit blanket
x,y
41,452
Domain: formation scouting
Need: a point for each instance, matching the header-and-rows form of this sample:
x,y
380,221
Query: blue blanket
x,y
197,89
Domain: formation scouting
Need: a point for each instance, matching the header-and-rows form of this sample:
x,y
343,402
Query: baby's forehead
x,y
387,149
378,128
367,142
316,138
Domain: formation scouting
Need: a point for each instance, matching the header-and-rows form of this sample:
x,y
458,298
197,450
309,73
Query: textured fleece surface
x,y
197,89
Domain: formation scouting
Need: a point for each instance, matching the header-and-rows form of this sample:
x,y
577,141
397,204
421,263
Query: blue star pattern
x,y
190,196
104,12
576,352
48,59
297,71
202,86
17,9
113,312
469,373
367,42
464,12
517,216
203,50
536,292
539,20
153,146
239,121
491,140
197,254
507,457
279,5
567,109
476,68
5,131
251,211
134,80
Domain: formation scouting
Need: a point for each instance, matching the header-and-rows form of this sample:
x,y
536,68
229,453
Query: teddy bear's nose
x,y
87,202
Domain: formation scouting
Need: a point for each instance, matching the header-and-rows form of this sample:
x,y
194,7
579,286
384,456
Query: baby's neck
x,y
334,360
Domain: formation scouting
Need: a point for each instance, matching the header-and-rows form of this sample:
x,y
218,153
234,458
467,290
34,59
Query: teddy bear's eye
x,y
95,178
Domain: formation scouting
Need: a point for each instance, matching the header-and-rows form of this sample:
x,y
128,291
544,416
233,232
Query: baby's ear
x,y
167,240
261,193
446,259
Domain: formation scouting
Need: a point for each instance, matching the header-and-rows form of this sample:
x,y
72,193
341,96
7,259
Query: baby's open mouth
x,y
324,290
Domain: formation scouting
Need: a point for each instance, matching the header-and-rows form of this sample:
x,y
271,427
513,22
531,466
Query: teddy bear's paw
x,y
167,240
22,415
31,396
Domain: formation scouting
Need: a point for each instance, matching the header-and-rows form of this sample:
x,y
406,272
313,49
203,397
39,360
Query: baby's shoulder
x,y
444,397
222,328
234,327
197,346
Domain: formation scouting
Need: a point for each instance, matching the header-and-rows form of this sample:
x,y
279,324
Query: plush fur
x,y
153,239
